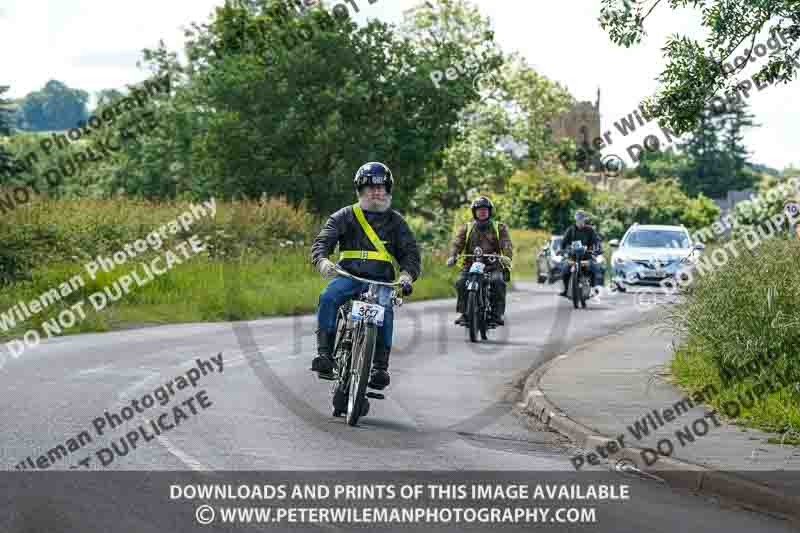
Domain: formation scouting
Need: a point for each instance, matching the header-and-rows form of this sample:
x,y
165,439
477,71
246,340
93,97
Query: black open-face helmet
x,y
479,202
373,173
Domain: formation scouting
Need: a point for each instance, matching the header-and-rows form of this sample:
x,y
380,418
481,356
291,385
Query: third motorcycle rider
x,y
493,238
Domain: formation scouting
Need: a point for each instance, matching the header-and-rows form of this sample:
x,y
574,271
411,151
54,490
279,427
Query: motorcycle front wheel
x,y
576,289
361,364
472,316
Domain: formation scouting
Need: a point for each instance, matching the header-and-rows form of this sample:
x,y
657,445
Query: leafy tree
x,y
473,161
694,72
662,202
713,161
736,120
717,154
516,105
291,105
55,107
670,163
708,162
6,118
106,96
538,198
787,172
534,101
5,131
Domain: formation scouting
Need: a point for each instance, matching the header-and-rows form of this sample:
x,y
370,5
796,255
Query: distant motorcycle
x,y
479,293
578,260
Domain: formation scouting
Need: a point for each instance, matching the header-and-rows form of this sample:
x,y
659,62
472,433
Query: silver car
x,y
649,254
548,261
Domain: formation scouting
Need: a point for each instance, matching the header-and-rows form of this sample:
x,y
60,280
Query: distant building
x,y
581,123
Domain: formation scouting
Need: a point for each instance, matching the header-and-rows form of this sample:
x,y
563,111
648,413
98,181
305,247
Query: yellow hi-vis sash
x,y
470,227
380,255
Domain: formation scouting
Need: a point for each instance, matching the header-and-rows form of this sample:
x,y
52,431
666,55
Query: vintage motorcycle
x,y
479,293
357,324
578,261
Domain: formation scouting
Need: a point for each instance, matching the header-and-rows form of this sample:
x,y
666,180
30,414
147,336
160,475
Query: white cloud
x,y
89,44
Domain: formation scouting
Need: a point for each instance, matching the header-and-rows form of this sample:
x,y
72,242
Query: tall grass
x,y
256,265
527,244
203,289
733,318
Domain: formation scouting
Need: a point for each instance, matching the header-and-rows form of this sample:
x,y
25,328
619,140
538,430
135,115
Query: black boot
x,y
564,292
500,308
379,377
323,363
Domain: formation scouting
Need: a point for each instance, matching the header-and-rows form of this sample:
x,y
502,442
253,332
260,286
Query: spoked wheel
x,y
576,289
472,316
483,325
363,352
339,401
583,299
342,357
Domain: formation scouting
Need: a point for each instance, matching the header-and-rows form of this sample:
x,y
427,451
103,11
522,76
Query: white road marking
x,y
182,456
91,371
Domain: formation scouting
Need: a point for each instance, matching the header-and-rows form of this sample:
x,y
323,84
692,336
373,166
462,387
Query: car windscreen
x,y
657,239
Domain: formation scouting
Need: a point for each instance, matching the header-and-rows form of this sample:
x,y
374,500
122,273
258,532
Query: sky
x,y
95,44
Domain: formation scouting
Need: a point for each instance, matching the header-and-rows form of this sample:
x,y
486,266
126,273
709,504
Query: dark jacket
x,y
486,239
342,228
587,235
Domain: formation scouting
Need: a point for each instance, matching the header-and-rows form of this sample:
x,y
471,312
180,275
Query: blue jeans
x,y
339,290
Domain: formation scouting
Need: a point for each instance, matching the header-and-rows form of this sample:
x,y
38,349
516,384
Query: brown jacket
x,y
487,240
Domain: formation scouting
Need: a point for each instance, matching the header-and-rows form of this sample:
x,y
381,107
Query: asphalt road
x,y
448,409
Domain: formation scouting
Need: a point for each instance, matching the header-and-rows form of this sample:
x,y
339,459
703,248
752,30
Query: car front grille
x,y
649,264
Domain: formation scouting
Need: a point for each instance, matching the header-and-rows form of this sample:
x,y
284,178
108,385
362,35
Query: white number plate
x,y
477,267
371,313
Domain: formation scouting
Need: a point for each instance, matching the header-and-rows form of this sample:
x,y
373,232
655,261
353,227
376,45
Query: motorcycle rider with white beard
x,y
369,234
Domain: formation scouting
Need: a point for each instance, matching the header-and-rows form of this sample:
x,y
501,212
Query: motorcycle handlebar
x,y
349,275
502,258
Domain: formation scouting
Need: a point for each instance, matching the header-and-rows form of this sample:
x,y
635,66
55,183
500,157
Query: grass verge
x,y
199,290
743,320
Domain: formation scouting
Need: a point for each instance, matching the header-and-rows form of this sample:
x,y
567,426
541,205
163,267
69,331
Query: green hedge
x,y
48,231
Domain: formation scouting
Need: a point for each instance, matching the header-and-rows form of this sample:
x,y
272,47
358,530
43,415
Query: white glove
x,y
406,280
451,261
327,268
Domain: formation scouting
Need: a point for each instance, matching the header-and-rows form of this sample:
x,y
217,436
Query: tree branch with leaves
x,y
694,73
